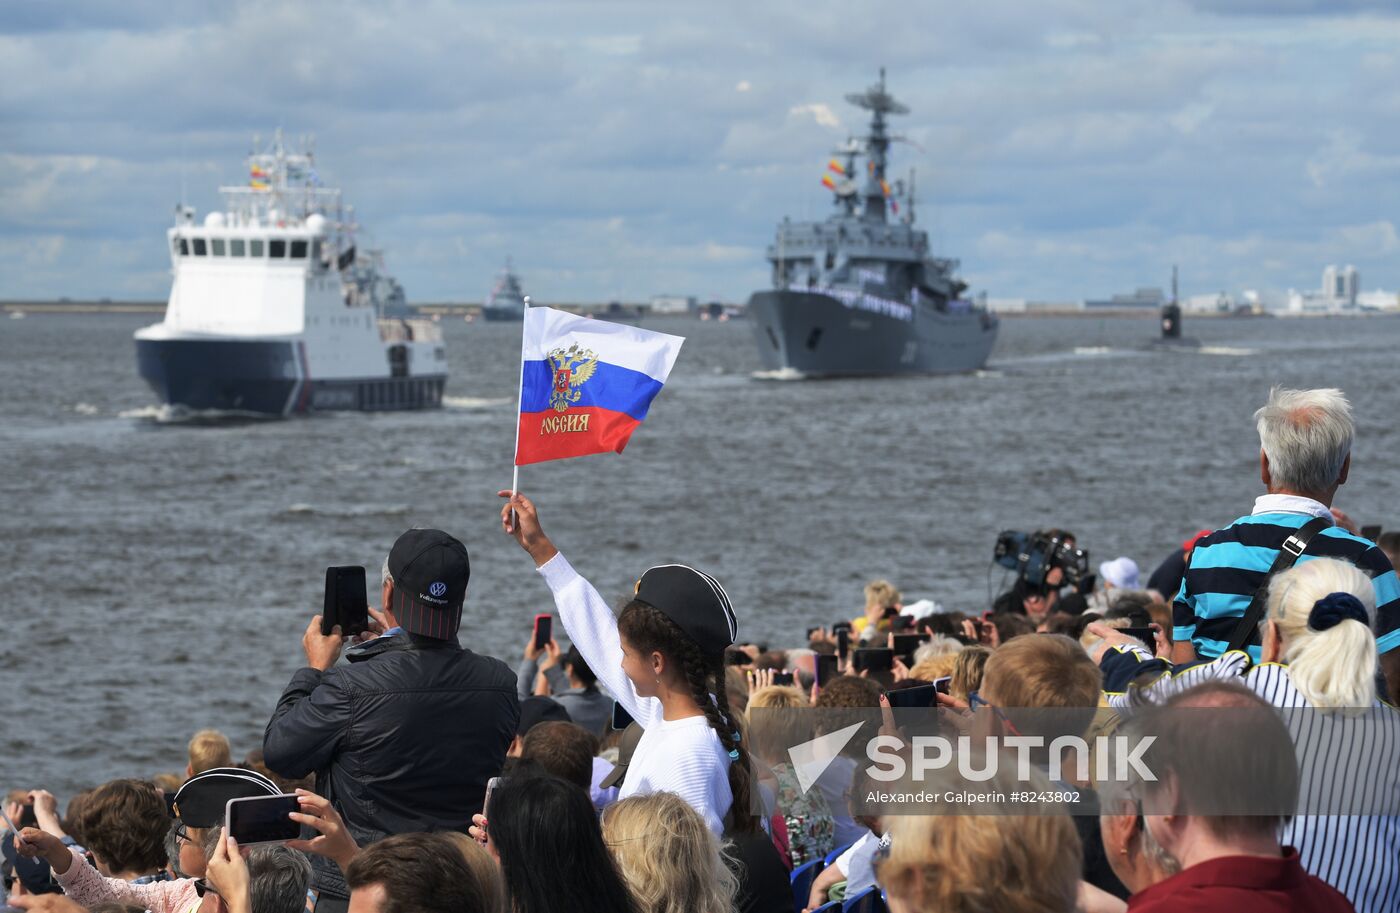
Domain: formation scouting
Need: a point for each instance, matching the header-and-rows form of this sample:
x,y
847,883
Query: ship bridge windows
x,y
277,248
237,247
182,247
255,247
216,247
200,247
298,250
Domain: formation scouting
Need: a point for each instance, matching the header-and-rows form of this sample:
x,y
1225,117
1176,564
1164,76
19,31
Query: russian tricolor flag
x,y
585,385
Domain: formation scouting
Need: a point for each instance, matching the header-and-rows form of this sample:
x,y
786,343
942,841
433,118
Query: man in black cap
x,y
405,737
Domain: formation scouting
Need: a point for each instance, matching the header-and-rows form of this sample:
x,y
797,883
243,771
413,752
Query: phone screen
x,y
843,642
621,719
875,659
918,696
27,817
263,820
942,685
346,602
826,668
544,630
906,644
782,678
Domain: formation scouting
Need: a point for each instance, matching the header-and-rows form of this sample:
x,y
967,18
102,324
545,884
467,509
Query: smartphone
x,y
1146,635
827,668
811,631
873,659
906,644
841,626
843,642
918,696
621,719
544,630
1372,532
346,603
782,678
262,819
27,816
486,800
942,685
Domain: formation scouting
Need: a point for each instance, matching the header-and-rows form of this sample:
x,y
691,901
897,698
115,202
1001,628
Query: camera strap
x,y
1288,555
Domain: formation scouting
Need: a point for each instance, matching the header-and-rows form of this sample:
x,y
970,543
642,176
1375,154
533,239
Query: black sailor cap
x,y
694,601
203,798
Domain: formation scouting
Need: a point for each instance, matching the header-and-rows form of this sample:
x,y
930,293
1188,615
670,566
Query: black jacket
x,y
402,739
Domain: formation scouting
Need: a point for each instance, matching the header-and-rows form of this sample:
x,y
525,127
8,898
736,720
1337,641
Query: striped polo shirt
x,y
1230,564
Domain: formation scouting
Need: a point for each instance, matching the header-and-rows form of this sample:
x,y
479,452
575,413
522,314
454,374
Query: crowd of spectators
x,y
649,767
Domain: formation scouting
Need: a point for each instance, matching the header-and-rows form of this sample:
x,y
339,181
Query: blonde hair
x,y
787,726
671,860
970,863
209,749
1335,667
483,868
937,646
881,593
967,670
935,667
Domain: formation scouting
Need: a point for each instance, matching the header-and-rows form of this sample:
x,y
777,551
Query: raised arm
x,y
590,624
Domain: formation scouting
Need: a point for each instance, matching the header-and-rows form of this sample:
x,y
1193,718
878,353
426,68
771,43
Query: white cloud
x,y
819,112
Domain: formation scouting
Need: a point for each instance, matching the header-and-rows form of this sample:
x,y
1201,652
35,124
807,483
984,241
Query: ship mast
x,y
879,102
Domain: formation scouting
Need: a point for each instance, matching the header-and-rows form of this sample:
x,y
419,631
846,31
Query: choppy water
x,y
158,578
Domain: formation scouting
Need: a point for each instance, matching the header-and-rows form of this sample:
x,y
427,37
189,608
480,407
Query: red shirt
x,y
1242,884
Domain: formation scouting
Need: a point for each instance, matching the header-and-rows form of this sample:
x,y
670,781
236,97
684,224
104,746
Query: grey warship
x,y
860,293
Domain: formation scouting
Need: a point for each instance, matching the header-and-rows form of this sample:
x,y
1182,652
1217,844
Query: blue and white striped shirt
x,y
1230,564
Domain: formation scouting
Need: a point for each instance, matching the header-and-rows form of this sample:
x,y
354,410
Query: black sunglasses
x,y
202,887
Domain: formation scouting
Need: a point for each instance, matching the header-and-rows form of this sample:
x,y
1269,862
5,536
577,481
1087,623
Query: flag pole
x,y
519,401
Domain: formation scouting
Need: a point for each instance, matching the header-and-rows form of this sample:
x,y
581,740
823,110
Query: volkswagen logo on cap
x,y
438,589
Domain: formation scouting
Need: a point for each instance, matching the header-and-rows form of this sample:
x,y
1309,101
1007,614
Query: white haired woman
x,y
1318,654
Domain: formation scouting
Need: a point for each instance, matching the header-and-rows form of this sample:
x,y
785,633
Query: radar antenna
x,y
879,102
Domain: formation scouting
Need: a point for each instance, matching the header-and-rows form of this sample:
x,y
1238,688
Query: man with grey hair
x,y
1305,440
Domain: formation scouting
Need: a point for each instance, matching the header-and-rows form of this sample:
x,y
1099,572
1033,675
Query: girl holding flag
x,y
662,659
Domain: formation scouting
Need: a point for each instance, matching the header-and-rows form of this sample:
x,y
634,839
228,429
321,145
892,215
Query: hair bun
x,y
1335,608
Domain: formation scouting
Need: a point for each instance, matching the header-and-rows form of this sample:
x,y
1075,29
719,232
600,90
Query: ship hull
x,y
817,335
502,315
267,377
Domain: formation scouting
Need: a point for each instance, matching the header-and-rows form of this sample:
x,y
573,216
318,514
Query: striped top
x,y
1344,765
1230,564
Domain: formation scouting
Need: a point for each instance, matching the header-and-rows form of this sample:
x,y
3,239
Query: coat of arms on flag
x,y
572,368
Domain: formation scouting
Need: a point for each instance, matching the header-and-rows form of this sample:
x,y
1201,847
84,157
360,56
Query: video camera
x,y
1032,555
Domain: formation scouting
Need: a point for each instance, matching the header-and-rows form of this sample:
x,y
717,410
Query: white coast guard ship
x,y
266,315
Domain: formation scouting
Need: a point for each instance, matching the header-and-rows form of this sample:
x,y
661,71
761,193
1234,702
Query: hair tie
x,y
734,754
1335,608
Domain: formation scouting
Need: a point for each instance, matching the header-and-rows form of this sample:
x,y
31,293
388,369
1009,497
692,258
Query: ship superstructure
x,y
273,312
506,301
860,293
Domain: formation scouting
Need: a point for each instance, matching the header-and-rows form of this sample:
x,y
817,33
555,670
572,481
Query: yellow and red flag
x,y
835,167
828,183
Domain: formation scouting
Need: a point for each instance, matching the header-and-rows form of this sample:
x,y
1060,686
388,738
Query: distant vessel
x,y
1171,323
506,301
858,294
273,311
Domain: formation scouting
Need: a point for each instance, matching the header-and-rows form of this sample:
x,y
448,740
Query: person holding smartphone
x,y
404,737
662,658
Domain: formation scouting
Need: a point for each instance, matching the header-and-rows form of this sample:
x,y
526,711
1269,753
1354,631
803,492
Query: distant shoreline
x,y
460,309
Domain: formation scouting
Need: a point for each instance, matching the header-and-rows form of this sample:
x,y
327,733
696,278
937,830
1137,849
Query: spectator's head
x,y
844,702
1014,624
277,879
1208,790
669,858
967,671
674,635
774,733
534,711
932,668
580,676
881,593
1305,442
1040,673
1133,606
545,834
564,750
1119,574
961,863
124,823
1390,544
208,749
802,662
419,873
1319,623
485,871
772,659
425,583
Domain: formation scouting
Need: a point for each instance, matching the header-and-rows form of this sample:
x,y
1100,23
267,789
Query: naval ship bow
x,y
860,293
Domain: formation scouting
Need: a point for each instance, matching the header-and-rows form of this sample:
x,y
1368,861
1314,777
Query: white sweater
x,y
683,756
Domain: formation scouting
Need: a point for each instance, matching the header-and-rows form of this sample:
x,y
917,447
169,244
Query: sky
x,y
1064,148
